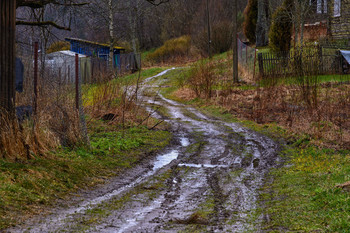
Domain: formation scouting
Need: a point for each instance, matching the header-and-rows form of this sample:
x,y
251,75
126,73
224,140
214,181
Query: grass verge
x,y
301,196
27,188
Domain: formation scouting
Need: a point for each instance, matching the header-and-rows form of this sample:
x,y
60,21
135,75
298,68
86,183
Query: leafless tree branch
x,y
40,3
43,23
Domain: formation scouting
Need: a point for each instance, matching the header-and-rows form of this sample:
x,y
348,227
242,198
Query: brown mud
x,y
208,180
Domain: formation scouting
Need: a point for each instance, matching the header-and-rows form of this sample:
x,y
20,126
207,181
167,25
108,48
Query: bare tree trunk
x,y
7,54
209,31
262,26
302,21
133,19
111,38
234,43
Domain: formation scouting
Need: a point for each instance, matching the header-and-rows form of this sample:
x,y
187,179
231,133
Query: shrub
x,y
250,19
280,34
201,79
221,38
172,50
58,46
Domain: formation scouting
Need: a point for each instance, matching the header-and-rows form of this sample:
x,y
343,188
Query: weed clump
x,y
173,50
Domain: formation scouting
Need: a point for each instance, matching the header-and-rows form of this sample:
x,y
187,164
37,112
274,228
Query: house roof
x,y
65,53
91,43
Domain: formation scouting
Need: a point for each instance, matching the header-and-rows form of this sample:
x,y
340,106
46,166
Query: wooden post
x,y
7,54
36,57
246,54
261,65
77,81
79,103
254,64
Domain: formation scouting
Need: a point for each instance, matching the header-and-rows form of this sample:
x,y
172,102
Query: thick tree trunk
x,y
262,26
7,54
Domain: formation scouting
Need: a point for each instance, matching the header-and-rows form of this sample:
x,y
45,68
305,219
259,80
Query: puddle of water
x,y
169,101
201,165
163,160
184,142
158,75
238,160
140,215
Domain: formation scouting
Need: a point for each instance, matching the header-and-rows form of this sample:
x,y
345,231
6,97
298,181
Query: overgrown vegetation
x,y
306,194
53,162
29,186
173,50
221,37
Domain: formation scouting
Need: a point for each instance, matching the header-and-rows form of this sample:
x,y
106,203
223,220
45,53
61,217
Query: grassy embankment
x,y
301,196
29,187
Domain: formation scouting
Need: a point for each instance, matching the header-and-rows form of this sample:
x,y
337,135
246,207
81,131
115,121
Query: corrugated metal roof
x,y
65,53
346,55
92,43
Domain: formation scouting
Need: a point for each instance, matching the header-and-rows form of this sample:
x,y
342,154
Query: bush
x,y
280,34
221,38
201,79
172,50
58,46
250,19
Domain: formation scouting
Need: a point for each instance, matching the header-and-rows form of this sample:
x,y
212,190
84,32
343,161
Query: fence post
x,y
246,54
36,57
254,64
77,81
79,103
261,64
320,55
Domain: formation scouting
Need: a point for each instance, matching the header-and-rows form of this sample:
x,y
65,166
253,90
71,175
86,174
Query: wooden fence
x,y
303,61
125,63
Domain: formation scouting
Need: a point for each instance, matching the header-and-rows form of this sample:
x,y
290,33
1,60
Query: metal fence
x,y
314,60
246,58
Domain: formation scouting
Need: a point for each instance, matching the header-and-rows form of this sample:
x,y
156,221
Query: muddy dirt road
x,y
207,181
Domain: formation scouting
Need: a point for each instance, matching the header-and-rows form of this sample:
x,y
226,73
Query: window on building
x,y
325,7
319,6
337,8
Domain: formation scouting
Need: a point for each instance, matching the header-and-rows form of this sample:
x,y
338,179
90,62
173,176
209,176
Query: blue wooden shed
x,y
94,49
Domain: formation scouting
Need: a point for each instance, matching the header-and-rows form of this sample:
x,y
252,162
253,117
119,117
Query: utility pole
x,y
235,43
209,31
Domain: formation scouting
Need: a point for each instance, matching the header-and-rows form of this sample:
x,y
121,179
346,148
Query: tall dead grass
x,y
321,111
174,51
54,124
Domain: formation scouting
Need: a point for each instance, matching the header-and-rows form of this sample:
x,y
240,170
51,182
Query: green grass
x,y
26,188
132,78
314,79
303,196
